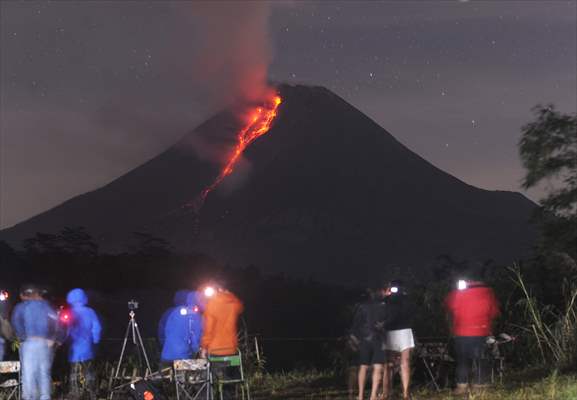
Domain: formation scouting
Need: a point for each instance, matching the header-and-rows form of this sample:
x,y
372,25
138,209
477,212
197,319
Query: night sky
x,y
91,89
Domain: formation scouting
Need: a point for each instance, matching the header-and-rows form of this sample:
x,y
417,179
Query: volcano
x,y
326,192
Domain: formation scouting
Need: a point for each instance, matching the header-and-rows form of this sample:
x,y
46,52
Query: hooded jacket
x,y
35,319
220,324
180,329
84,327
472,310
400,311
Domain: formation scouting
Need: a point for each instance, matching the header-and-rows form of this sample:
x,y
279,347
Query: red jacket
x,y
472,311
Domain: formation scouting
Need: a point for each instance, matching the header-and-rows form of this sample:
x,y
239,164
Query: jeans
x,y
2,348
36,359
471,357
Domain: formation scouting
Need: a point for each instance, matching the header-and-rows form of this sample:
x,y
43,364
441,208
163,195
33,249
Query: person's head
x,y
77,297
179,298
394,287
30,292
212,289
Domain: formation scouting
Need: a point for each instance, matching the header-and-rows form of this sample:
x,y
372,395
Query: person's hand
x,y
353,342
203,353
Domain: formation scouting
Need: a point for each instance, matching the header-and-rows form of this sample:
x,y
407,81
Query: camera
x,y
132,305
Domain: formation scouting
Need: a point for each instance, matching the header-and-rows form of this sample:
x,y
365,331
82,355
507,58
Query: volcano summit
x,y
326,193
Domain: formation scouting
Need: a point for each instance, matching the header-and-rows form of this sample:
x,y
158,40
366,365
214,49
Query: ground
x,y
318,385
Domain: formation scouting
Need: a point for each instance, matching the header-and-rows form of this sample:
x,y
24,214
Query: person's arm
x,y
96,328
208,334
495,312
18,321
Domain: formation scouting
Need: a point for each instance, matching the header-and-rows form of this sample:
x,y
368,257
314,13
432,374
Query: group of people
x,y
200,324
39,329
382,336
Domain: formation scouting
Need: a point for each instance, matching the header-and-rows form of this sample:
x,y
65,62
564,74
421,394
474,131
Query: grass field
x,y
319,385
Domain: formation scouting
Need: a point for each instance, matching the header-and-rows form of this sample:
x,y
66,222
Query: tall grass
x,y
553,330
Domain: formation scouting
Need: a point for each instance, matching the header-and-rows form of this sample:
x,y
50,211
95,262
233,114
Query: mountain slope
x,y
326,192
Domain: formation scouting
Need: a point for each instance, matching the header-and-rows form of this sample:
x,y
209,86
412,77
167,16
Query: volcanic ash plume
x,y
233,50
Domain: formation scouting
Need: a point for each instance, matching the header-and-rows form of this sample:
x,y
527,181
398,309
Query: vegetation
x,y
538,296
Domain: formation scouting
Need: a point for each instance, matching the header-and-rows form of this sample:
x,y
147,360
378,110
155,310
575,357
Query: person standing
x,y
367,337
84,331
220,336
6,332
180,329
472,307
399,340
35,323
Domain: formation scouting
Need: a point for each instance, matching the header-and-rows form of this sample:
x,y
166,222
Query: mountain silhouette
x,y
325,193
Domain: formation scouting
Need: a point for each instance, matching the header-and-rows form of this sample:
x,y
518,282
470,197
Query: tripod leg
x,y
119,364
141,343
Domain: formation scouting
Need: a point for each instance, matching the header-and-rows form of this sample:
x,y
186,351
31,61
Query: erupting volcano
x,y
329,195
259,123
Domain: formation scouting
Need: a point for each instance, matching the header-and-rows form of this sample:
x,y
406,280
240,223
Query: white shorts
x,y
399,340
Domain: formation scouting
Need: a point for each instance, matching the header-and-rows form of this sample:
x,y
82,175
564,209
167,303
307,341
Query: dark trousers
x,y
82,381
472,364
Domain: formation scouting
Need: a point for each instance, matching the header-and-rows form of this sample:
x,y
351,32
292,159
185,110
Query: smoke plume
x,y
232,49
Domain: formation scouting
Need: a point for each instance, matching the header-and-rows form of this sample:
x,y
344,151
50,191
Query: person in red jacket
x,y
472,307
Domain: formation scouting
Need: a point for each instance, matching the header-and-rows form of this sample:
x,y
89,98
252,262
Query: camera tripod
x,y
132,331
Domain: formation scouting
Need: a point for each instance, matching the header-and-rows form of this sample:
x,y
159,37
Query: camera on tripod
x,y
132,305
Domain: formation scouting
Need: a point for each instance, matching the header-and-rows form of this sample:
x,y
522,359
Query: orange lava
x,y
259,124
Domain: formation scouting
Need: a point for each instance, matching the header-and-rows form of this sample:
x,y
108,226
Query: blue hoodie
x,y
180,329
35,318
84,330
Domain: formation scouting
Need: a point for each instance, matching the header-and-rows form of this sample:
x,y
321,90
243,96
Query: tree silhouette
x,y
548,150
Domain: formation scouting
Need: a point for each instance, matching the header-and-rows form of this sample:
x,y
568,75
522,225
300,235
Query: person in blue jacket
x,y
83,335
35,323
180,329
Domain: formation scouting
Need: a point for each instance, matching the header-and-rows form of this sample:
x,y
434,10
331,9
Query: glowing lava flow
x,y
259,124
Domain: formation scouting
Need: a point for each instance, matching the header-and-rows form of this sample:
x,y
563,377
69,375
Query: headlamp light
x,y
209,291
64,316
394,289
461,284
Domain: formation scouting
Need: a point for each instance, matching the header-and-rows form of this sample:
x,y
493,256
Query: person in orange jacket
x,y
221,314
220,336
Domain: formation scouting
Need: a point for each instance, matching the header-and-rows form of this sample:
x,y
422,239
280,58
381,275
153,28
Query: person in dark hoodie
x,y
84,331
6,332
367,336
36,325
180,328
399,340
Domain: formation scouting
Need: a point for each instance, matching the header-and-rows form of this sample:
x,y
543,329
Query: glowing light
x,y
195,309
462,284
209,291
3,295
65,317
183,311
394,289
260,121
